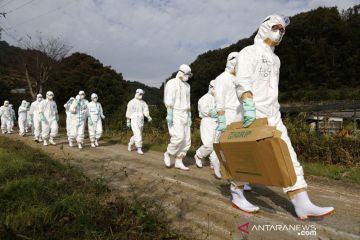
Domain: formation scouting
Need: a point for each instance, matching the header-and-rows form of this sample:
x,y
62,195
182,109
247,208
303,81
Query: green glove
x,y
90,121
249,112
42,117
221,123
57,117
128,123
189,122
149,119
213,113
170,116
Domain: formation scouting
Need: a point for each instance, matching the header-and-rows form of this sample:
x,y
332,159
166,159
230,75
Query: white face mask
x,y
184,78
6,104
139,96
275,36
39,99
50,97
82,96
94,99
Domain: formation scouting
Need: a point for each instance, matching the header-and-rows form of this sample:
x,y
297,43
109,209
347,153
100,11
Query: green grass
x,y
337,172
42,199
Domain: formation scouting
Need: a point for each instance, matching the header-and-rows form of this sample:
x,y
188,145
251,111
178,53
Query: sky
x,y
146,40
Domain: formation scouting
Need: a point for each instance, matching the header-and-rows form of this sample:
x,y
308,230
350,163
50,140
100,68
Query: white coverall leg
x,y
22,125
37,126
180,132
207,134
50,129
137,125
95,130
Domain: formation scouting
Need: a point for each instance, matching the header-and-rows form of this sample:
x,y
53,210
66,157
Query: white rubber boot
x,y
40,139
71,144
129,147
93,145
304,208
45,142
180,165
36,139
247,188
51,141
96,143
216,164
167,160
198,161
139,151
80,146
239,201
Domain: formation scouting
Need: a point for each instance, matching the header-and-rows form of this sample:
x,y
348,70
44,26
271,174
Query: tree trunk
x,y
33,95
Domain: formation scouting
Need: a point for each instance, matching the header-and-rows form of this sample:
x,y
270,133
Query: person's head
x,y
139,94
28,105
50,95
10,106
82,94
39,97
94,97
6,103
184,73
231,62
212,87
272,29
23,103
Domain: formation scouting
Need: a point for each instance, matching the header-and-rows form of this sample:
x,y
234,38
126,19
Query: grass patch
x,y
42,199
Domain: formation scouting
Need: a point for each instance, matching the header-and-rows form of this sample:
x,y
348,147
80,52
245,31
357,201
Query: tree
x,y
41,59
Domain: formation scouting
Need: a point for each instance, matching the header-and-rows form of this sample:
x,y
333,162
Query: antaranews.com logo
x,y
298,229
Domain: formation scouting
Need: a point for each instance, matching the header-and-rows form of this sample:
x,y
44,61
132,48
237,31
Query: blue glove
x,y
170,116
213,113
221,123
189,122
128,123
249,112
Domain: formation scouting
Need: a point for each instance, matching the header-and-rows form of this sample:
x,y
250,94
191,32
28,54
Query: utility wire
x,y
23,5
6,3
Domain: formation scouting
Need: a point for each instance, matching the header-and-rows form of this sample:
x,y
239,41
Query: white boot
x,y
216,164
129,147
239,201
139,151
167,160
45,142
80,146
71,143
40,139
96,143
247,188
93,145
304,208
51,141
36,139
198,161
211,165
180,165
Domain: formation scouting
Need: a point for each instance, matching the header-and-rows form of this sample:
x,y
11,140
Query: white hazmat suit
x,y
257,74
95,116
177,102
28,125
208,114
68,117
35,117
13,118
135,112
5,113
78,119
49,117
22,120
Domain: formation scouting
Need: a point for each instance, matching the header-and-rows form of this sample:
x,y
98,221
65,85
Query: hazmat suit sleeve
x,y
169,94
203,108
128,110
146,110
101,110
220,95
73,106
245,69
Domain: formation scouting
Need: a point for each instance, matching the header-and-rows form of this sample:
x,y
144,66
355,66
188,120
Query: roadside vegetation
x,y
43,199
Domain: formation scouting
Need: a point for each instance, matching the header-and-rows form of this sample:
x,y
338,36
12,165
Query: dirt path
x,y
196,201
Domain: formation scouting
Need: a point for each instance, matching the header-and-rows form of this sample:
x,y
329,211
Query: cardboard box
x,y
256,155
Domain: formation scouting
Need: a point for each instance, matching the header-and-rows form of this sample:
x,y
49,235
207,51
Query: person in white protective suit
x,y
135,112
78,119
257,81
35,118
5,114
28,125
68,117
177,103
13,118
95,117
22,112
50,118
208,114
227,103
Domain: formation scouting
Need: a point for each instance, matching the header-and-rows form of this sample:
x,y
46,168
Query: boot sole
x,y
182,169
236,207
317,216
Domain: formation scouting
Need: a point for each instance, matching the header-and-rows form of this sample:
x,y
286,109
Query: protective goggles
x,y
189,74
